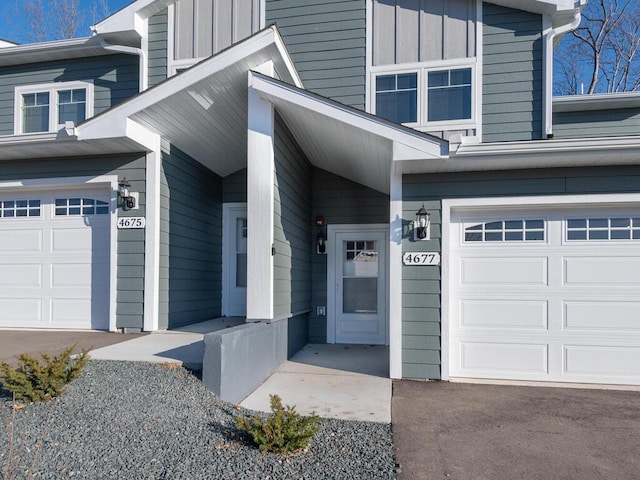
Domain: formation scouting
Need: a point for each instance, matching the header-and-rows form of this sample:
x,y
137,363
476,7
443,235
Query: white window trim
x,y
52,89
422,69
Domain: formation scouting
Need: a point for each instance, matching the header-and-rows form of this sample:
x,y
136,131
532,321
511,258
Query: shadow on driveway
x,y
464,431
15,342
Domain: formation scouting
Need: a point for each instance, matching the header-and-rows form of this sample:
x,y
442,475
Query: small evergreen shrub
x,y
283,431
36,381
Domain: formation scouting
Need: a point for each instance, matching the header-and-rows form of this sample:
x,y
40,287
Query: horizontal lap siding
x,y
421,286
190,240
115,79
234,187
130,261
327,42
292,225
157,48
339,201
596,123
512,80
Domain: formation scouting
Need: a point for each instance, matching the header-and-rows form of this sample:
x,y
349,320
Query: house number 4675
x,y
131,222
421,258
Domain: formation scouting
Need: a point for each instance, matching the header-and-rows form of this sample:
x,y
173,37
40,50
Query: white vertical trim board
x,y
478,70
260,206
395,275
369,57
152,239
171,16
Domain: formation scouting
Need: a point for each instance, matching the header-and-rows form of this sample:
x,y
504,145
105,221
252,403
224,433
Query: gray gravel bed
x,y
125,420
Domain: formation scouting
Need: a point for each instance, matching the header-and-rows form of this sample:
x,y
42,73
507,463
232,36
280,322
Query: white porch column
x,y
260,203
395,274
152,238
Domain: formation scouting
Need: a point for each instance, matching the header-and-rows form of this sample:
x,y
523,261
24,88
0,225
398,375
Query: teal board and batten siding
x,y
115,79
409,31
157,48
327,42
597,123
190,240
130,261
339,201
421,286
205,27
512,80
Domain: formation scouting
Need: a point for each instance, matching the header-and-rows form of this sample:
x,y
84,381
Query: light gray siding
x,y
190,240
406,31
157,48
115,79
596,123
421,286
130,274
205,27
292,226
339,201
512,82
327,43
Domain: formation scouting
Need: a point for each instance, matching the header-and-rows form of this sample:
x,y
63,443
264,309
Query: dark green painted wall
x,y
339,201
327,42
190,240
157,48
512,81
597,123
130,275
292,226
421,286
115,78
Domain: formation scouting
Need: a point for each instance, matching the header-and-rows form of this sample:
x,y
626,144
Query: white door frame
x,y
332,250
229,210
548,201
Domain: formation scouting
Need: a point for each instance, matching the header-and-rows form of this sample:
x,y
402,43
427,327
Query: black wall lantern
x,y
422,225
321,238
124,189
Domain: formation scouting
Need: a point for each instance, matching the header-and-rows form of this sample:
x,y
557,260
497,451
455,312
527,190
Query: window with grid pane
x,y
72,105
397,97
449,95
35,112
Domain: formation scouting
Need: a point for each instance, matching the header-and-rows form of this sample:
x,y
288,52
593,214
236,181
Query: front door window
x,y
360,276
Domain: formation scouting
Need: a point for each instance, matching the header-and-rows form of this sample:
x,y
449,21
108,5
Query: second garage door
x,y
54,259
547,295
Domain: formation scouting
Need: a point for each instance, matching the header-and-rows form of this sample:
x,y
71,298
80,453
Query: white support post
x,y
395,274
152,238
260,204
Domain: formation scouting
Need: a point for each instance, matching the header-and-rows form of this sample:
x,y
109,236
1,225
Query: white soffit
x,y
203,110
343,140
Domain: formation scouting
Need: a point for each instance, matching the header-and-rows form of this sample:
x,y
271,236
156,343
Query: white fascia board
x,y
111,122
291,71
604,101
272,90
131,17
11,51
26,138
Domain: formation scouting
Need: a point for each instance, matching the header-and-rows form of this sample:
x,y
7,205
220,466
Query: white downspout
x,y
548,66
143,83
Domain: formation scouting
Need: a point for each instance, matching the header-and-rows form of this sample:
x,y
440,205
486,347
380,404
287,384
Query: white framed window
x,y
80,206
602,229
46,107
516,230
429,95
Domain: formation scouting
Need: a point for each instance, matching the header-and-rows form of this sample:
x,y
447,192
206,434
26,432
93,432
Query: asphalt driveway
x,y
464,431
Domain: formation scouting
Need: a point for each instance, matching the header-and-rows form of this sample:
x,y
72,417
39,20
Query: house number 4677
x,y
421,258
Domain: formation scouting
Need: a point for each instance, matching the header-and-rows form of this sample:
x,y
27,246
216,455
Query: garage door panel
x,y
71,240
610,361
606,316
70,310
504,271
602,270
19,311
14,241
21,275
509,314
510,359
70,275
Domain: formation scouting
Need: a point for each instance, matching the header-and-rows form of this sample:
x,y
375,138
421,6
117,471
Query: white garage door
x,y
546,295
54,259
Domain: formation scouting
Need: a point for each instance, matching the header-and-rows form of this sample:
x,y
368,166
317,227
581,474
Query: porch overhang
x,y
343,140
203,110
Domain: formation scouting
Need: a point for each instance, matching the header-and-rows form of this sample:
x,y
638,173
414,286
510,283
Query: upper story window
x,y
426,96
46,108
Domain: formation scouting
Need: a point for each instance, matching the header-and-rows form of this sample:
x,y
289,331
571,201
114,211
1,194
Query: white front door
x,y
235,260
357,276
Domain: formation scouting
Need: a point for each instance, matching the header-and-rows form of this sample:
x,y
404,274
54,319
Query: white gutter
x,y
142,83
548,66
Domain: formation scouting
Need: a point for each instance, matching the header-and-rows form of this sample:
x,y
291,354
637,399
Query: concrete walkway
x,y
184,345
349,382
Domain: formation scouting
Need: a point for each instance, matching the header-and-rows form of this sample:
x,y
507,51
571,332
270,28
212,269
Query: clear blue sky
x,y
13,26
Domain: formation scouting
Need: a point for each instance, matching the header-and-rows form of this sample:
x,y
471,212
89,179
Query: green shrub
x,y
35,381
283,431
